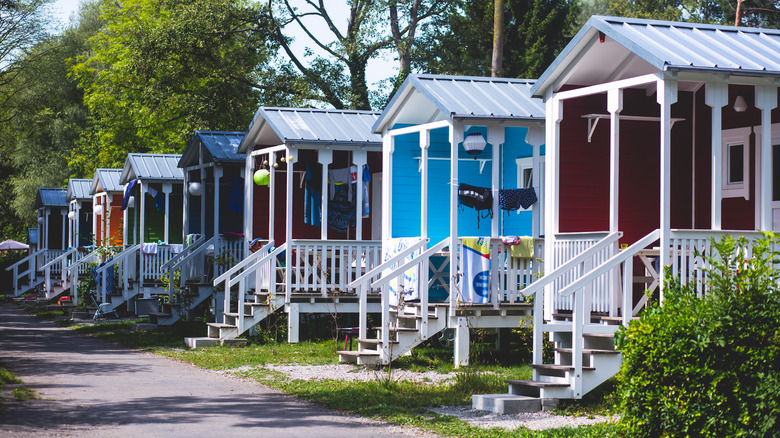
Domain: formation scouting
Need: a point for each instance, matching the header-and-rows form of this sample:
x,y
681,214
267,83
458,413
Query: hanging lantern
x,y
195,188
40,220
131,202
72,215
474,144
262,177
98,209
740,104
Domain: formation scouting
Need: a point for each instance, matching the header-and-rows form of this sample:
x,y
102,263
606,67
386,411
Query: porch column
x,y
71,223
388,144
271,194
167,189
107,212
65,238
716,96
249,200
666,95
217,175
425,143
766,101
288,231
359,158
614,106
554,111
185,220
324,157
495,136
142,213
535,137
125,215
456,137
47,227
203,199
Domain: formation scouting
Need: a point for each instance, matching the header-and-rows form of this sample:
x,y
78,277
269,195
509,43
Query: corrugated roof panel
x,y
51,197
322,126
109,180
78,189
219,146
154,166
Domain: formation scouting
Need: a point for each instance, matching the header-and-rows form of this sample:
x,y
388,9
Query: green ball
x,y
262,177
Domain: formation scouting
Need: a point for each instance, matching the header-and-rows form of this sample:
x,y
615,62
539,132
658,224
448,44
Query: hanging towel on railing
x,y
475,285
191,238
109,274
523,249
149,248
514,199
176,248
406,284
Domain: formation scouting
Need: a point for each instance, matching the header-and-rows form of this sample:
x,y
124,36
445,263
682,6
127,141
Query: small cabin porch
x,y
304,245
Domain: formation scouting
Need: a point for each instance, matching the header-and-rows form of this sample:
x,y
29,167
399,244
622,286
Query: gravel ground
x,y
483,419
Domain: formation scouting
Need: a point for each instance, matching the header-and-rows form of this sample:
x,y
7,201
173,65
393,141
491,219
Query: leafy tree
x,y
535,31
160,70
755,13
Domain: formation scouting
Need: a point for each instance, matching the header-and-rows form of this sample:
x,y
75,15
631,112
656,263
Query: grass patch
x,y
7,377
23,393
225,357
164,337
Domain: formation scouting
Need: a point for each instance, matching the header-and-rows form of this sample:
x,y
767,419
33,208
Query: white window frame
x,y
736,137
527,163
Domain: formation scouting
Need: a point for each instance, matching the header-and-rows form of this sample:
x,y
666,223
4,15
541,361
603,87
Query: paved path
x,y
93,388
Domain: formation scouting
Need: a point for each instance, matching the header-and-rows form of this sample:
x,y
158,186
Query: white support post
x,y
614,106
203,200
293,323
462,341
94,220
359,158
64,238
324,157
425,143
107,214
495,136
535,137
142,213
456,137
666,96
766,101
125,216
271,195
716,96
554,110
388,144
249,201
186,206
288,231
217,176
167,189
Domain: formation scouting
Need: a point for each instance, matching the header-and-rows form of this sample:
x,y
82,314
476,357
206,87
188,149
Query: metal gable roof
x,y
467,97
219,146
108,179
51,197
677,46
312,126
158,167
78,189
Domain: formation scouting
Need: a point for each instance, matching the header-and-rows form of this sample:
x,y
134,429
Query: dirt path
x,y
92,388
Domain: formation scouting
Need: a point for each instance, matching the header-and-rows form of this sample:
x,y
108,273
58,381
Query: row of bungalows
x,y
477,202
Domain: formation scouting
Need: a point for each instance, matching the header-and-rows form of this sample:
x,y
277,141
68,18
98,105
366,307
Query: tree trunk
x,y
498,38
739,13
357,80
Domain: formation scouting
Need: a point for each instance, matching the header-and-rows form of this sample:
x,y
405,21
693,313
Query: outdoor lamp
x,y
131,202
262,177
195,188
40,220
474,144
740,105
98,209
72,215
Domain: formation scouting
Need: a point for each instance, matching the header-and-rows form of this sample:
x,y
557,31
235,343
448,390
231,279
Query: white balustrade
x,y
330,265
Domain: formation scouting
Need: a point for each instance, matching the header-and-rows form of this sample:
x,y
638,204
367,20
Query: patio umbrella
x,y
12,245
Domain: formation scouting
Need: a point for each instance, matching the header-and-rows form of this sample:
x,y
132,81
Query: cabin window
x,y
736,163
525,179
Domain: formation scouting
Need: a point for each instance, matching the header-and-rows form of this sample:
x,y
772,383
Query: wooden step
x,y
363,353
555,367
586,351
416,317
374,341
617,319
598,335
220,325
537,384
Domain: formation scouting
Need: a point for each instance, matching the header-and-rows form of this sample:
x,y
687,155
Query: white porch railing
x,y
58,265
125,266
81,267
227,252
186,261
330,265
152,264
25,268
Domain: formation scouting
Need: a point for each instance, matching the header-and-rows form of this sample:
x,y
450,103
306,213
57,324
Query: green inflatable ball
x,y
262,177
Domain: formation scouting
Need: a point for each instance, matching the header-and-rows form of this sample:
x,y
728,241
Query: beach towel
x,y
406,284
475,285
149,248
524,249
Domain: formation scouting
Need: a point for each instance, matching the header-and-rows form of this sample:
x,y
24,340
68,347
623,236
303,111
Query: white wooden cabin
x,y
428,129
303,264
660,136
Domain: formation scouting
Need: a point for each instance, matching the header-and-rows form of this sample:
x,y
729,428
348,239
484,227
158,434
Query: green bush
x,y
708,366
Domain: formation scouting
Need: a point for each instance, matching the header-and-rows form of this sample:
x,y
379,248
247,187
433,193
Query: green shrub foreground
x,y
708,366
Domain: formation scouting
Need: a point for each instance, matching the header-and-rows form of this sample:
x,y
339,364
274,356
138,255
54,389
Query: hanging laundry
x,y
475,285
128,192
341,209
176,248
514,199
405,285
524,249
478,198
149,248
366,180
312,197
108,284
191,238
338,177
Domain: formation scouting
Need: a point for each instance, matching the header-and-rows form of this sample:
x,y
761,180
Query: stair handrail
x,y
252,268
610,263
385,279
173,260
194,252
31,269
63,269
59,258
121,257
556,273
30,256
387,263
73,270
243,263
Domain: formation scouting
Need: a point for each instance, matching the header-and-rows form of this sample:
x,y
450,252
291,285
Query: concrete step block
x,y
199,342
505,403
